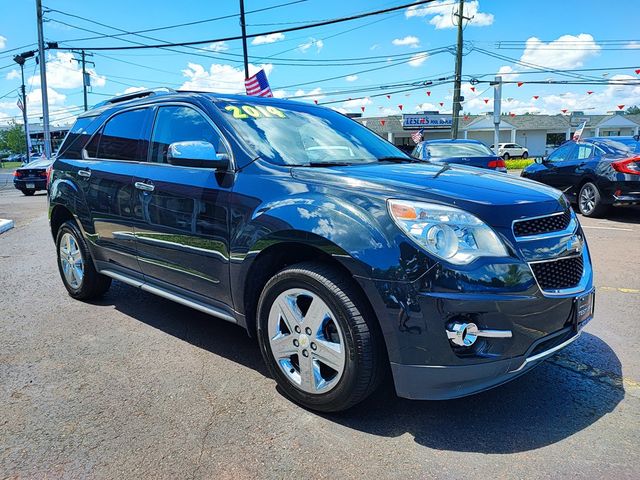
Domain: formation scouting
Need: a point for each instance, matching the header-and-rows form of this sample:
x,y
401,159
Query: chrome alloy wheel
x,y
306,340
71,261
587,199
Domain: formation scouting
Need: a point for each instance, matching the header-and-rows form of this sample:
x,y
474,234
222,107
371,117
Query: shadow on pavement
x,y
620,214
540,408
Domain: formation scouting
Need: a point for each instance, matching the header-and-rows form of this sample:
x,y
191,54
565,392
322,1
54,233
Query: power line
x,y
253,35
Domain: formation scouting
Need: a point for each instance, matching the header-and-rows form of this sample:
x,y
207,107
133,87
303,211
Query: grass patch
x,y
11,164
519,163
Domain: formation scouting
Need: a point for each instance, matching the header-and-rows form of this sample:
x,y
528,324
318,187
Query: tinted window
x,y
181,124
77,137
562,153
617,147
122,136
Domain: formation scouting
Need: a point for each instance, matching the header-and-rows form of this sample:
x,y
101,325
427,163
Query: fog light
x,y
463,334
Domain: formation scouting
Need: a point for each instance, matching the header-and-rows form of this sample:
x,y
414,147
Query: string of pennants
x,y
478,95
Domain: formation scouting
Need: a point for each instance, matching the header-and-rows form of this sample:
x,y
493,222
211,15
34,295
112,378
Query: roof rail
x,y
139,94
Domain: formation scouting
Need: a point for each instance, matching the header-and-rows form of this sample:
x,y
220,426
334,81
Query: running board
x,y
202,307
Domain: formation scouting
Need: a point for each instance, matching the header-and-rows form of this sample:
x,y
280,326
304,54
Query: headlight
x,y
448,233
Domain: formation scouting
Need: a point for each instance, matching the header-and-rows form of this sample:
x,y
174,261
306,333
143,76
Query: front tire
x,y
590,201
525,155
318,338
506,156
80,277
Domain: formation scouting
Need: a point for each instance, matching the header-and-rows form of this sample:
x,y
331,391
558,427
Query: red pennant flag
x,y
535,97
520,84
512,114
466,117
400,107
473,89
315,101
388,97
382,122
428,93
486,100
620,107
564,110
638,71
589,92
362,108
442,104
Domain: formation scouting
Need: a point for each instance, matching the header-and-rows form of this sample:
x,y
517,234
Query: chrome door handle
x,y
146,187
84,173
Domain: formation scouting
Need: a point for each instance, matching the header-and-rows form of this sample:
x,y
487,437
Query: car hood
x,y
494,197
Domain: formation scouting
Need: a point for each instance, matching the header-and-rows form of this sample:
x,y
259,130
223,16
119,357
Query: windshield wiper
x,y
394,159
327,164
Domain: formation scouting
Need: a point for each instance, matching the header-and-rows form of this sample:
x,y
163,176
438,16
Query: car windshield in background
x,y
450,150
618,147
302,135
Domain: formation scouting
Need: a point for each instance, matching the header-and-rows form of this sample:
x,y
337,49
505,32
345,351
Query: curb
x,y
5,225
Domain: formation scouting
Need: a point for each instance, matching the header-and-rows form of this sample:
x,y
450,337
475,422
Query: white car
x,y
510,150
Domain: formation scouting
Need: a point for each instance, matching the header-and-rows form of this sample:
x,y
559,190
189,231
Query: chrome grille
x,y
559,274
542,225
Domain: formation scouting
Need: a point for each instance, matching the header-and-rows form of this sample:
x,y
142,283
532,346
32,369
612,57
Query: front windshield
x,y
292,134
449,150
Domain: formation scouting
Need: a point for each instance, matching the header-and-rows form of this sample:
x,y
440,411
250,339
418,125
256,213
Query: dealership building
x,y
538,133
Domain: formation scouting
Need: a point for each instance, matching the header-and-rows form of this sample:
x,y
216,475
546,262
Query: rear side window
x,y
77,138
122,137
181,124
583,151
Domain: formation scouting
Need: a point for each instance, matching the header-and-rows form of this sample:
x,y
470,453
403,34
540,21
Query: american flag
x,y
258,85
417,136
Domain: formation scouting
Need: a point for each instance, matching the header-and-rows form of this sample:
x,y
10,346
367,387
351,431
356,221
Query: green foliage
x,y
634,110
518,163
12,139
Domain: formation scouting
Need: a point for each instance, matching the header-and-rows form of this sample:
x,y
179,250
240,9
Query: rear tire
x,y
318,338
506,156
79,275
28,193
590,201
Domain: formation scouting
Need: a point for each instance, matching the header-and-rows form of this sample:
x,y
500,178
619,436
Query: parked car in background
x,y
471,153
511,150
345,257
595,173
32,177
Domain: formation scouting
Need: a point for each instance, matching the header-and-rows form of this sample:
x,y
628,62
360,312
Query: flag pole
x,y
244,40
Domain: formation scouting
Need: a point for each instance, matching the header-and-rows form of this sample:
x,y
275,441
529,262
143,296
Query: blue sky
x,y
563,35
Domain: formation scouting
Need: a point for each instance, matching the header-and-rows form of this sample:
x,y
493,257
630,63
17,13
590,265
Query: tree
x,y
634,110
12,138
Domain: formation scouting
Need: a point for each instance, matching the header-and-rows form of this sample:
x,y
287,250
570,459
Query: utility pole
x,y
457,98
244,40
20,59
86,76
497,106
43,82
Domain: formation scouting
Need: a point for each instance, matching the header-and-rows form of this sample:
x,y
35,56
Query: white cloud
x,y
13,74
318,43
409,40
441,13
280,93
3,41
132,90
34,99
357,102
351,78
633,45
508,73
568,51
418,59
310,96
218,47
426,107
221,78
271,38
375,46
63,72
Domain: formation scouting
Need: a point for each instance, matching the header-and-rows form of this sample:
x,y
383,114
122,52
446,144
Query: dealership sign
x,y
425,120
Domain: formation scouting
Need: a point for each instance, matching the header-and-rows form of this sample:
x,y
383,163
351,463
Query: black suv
x,y
340,253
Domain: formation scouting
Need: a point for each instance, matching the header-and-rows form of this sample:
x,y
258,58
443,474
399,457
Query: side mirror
x,y
539,160
196,154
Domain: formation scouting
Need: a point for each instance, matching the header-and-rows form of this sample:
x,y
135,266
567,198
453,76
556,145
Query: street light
x,y
20,60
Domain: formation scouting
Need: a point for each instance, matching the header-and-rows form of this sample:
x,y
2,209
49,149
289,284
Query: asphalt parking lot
x,y
134,386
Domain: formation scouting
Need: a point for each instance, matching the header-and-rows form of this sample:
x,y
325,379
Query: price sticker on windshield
x,y
244,112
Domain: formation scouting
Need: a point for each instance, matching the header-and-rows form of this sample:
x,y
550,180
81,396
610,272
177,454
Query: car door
x,y
549,170
106,178
570,172
182,222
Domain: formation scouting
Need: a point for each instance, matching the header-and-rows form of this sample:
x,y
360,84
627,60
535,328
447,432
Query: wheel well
x,y
59,215
273,259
